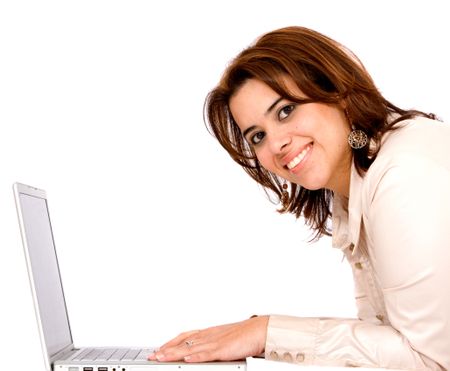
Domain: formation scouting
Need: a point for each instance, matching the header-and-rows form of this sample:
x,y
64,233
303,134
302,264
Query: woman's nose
x,y
279,141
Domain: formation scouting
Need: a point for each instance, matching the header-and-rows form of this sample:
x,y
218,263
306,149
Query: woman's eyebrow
x,y
273,105
246,131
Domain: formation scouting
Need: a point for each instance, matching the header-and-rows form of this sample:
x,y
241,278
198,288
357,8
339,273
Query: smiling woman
x,y
302,143
302,116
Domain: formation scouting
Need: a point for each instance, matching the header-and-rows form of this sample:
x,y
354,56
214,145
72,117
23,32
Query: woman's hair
x,y
326,72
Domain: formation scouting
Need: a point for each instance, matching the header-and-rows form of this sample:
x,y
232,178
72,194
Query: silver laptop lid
x,y
43,271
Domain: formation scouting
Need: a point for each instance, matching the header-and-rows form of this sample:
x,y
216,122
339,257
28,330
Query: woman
x,y
303,118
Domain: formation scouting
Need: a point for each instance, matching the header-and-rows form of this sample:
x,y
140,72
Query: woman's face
x,y
305,144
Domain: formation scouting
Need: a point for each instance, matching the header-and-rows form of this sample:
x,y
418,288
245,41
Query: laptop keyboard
x,y
109,354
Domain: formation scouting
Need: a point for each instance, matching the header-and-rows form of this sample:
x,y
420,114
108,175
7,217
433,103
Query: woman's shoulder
x,y
419,137
418,146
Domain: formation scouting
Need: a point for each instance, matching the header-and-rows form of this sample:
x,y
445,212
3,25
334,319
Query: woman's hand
x,y
221,343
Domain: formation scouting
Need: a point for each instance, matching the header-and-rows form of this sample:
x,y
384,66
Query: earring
x,y
285,197
357,139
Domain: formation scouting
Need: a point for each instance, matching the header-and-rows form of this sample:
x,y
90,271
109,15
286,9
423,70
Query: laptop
x,y
58,349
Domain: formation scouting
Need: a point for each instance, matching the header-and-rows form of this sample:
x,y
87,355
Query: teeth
x,y
298,159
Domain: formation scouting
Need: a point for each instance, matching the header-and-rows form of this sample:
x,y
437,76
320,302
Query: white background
x,y
157,230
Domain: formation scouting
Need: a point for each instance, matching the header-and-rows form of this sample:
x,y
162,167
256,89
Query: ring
x,y
189,343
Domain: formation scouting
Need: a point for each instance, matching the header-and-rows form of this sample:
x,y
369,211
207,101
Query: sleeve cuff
x,y
291,339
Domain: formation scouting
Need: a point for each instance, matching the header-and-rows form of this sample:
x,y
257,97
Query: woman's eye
x,y
285,111
257,137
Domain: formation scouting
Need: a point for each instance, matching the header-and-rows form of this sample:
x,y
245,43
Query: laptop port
x,y
102,369
88,368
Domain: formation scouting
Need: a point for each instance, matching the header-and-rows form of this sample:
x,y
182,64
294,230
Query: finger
x,y
180,339
183,352
175,352
185,345
205,356
217,352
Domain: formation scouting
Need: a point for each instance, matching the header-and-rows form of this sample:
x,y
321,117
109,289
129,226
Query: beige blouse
x,y
395,233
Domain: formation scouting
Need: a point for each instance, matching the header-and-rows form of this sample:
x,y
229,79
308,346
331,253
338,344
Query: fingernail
x,y
187,358
159,357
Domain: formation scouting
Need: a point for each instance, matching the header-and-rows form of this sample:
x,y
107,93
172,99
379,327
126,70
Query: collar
x,y
347,215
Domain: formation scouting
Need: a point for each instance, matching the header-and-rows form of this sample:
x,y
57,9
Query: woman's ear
x,y
343,104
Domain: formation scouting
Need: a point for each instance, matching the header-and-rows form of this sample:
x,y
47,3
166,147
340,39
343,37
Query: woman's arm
x,y
341,342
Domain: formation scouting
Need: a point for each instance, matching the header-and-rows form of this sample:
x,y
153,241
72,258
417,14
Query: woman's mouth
x,y
299,158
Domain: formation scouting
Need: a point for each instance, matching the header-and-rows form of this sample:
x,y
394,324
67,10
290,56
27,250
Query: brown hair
x,y
326,72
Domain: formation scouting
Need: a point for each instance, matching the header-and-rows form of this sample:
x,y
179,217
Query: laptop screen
x,y
45,273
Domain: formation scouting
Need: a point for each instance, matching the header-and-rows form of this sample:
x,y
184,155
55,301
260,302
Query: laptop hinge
x,y
59,354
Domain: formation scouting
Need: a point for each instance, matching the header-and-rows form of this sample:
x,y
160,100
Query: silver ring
x,y
189,343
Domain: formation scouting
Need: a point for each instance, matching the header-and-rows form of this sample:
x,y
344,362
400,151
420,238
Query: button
x,y
273,355
300,357
358,265
287,357
380,317
351,247
351,364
